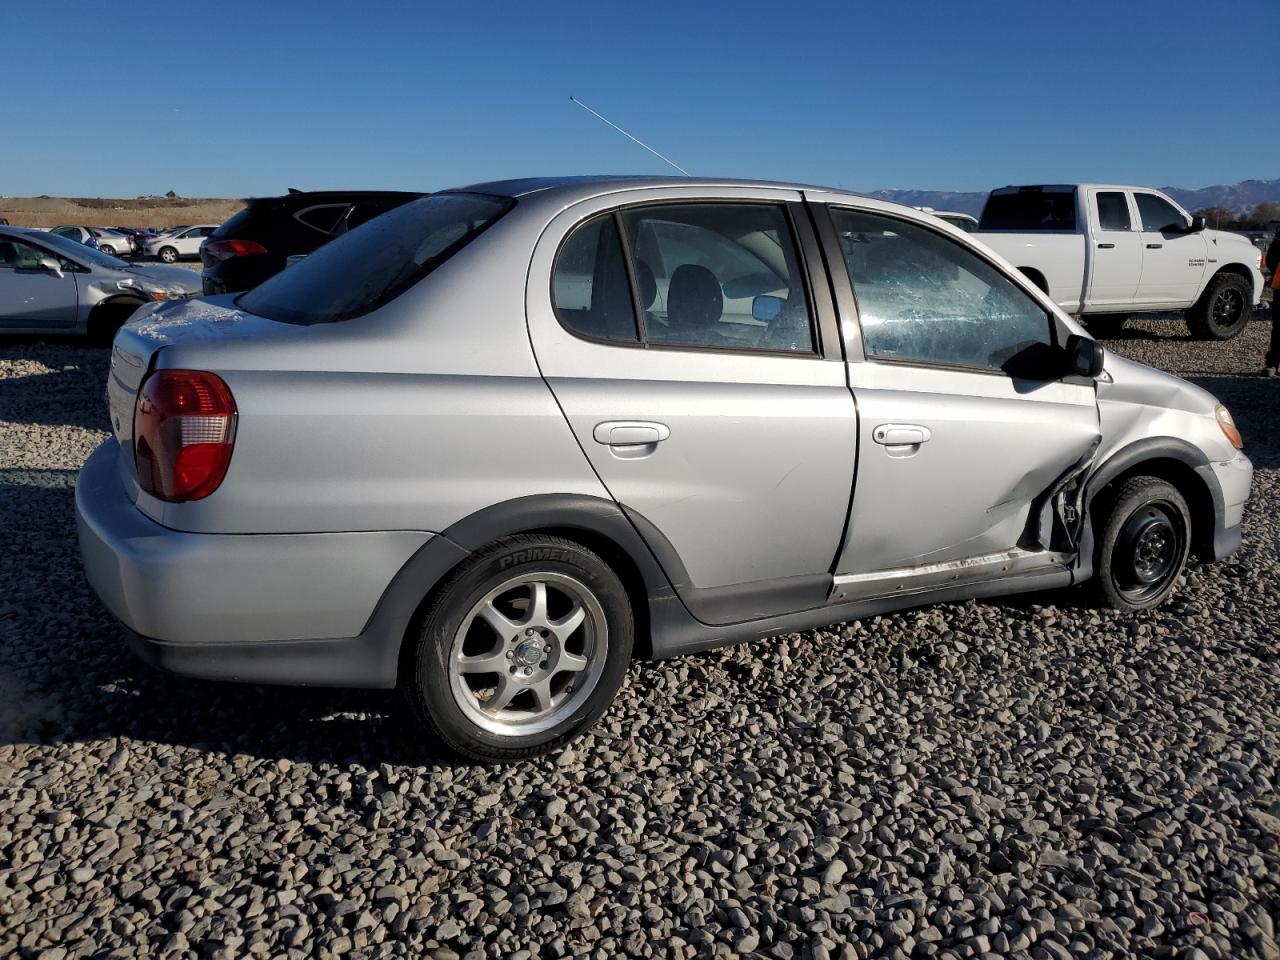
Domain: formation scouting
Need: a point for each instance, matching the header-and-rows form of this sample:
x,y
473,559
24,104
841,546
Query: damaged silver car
x,y
50,284
492,445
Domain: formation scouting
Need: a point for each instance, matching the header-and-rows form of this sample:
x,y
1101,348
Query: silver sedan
x,y
51,284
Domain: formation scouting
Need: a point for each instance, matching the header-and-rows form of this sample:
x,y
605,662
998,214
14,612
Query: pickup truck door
x,y
962,429
1116,257
1173,260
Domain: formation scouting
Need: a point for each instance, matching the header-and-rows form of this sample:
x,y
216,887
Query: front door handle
x,y
900,434
630,433
1154,246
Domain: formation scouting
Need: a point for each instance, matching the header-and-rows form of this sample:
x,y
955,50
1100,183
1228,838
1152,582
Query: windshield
x,y
377,261
78,251
1042,209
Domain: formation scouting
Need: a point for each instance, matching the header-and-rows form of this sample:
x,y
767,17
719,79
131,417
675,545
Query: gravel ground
x,y
1030,778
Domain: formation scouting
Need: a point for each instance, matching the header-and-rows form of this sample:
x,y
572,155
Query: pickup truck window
x,y
924,298
1158,215
1113,211
1031,208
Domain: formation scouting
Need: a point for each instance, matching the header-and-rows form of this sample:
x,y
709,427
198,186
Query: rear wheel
x,y
1223,310
1143,544
106,248
168,254
522,649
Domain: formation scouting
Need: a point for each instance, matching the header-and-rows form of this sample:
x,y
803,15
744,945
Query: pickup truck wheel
x,y
1143,545
522,649
1223,310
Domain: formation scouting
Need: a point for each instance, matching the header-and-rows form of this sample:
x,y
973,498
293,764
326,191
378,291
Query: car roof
x,y
323,195
578,188
1015,187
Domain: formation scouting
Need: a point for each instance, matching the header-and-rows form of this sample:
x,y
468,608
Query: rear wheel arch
x,y
592,522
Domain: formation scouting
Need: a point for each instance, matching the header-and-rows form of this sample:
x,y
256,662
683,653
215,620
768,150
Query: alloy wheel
x,y
528,654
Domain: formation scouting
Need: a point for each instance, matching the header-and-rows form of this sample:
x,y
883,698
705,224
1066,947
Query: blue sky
x,y
229,98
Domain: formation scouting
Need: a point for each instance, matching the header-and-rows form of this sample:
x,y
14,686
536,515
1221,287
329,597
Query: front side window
x,y
1113,211
1158,215
924,298
376,262
17,255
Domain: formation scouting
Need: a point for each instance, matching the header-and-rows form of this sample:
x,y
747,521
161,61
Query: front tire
x,y
1143,544
521,650
168,255
1223,310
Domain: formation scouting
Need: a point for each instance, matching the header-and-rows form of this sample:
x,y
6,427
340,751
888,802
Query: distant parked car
x,y
259,240
81,235
138,235
51,283
172,247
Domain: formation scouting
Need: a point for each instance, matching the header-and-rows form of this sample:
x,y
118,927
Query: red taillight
x,y
226,249
184,427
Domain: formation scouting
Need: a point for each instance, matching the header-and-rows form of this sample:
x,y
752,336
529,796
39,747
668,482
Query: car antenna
x,y
665,160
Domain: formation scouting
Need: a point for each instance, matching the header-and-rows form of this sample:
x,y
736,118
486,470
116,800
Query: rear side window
x,y
1113,211
589,288
375,263
323,217
1158,215
1031,209
701,275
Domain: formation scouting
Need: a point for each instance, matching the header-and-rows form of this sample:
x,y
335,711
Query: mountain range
x,y
1239,198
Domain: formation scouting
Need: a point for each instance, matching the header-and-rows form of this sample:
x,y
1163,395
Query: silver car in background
x,y
493,444
111,242
52,284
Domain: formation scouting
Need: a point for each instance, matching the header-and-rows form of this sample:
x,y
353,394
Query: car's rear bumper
x,y
294,608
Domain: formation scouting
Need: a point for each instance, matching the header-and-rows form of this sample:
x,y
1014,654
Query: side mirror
x,y
1084,356
1198,224
52,265
766,308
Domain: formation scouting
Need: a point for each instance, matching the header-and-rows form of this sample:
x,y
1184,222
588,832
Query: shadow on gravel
x,y
69,392
67,675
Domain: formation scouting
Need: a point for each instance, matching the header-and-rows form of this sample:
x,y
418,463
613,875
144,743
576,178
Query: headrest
x,y
694,297
646,284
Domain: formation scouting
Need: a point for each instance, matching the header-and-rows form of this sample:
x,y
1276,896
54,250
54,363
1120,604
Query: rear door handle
x,y
900,434
1154,246
630,433
1106,246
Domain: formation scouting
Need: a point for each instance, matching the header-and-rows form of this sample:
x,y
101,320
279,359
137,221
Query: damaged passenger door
x,y
969,421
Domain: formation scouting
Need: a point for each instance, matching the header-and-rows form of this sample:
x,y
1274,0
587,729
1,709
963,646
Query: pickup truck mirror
x,y
1084,356
1198,224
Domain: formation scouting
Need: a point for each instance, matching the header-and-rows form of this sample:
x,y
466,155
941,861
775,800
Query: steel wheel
x,y
528,654
1149,551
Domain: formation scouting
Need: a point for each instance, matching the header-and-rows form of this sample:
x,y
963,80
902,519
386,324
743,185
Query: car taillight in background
x,y
184,424
226,249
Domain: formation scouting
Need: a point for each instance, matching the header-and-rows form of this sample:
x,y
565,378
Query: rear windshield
x,y
376,262
1031,209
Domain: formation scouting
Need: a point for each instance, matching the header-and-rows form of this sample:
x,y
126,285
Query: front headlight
x,y
1228,426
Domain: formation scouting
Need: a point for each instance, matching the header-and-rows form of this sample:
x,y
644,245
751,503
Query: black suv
x,y
256,243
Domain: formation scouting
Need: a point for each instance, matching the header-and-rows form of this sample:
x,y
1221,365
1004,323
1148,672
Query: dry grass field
x,y
159,212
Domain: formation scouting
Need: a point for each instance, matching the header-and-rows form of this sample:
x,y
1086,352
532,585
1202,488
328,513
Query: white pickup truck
x,y
1105,252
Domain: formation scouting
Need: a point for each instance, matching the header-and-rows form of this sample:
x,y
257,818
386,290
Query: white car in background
x,y
171,247
111,242
963,221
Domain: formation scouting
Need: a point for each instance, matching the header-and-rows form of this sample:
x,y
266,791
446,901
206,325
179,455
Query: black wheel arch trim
x,y
1210,542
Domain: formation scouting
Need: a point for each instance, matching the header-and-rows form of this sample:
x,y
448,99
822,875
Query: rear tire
x,y
522,649
168,254
109,250
1223,310
1144,539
